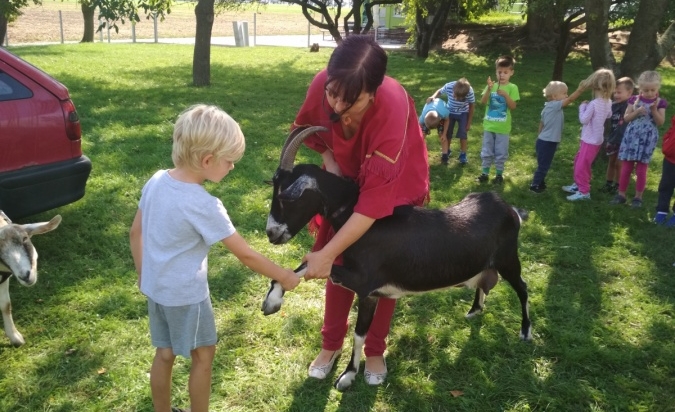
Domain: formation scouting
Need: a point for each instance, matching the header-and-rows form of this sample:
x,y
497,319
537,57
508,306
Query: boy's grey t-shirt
x,y
180,222
553,119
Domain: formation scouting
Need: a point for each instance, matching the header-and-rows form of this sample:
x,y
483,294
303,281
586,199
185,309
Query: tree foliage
x,y
567,22
9,11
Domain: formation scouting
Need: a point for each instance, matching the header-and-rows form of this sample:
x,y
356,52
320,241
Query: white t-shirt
x,y
180,222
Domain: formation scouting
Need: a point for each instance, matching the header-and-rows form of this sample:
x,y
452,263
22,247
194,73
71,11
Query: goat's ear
x,y
268,182
43,227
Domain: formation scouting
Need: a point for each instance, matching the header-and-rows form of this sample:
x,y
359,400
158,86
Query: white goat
x,y
18,257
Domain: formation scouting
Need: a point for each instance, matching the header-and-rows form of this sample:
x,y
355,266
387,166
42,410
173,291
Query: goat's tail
x,y
522,214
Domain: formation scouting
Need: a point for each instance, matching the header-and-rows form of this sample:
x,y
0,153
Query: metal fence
x,y
42,25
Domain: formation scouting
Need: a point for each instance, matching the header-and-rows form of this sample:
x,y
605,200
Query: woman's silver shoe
x,y
375,379
320,372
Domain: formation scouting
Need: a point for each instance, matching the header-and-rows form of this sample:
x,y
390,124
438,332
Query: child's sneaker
x,y
498,180
636,203
608,188
482,178
444,159
573,188
537,188
671,221
462,158
618,200
660,218
579,196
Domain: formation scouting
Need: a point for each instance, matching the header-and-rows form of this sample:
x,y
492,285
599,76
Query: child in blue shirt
x,y
435,116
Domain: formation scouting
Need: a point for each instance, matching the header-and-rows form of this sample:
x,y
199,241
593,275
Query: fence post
x,y
255,28
61,25
6,39
309,34
108,27
133,31
154,18
100,32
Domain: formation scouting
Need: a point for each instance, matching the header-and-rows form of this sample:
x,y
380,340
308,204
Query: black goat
x,y
414,250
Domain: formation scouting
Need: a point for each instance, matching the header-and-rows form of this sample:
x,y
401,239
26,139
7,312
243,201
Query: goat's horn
x,y
293,143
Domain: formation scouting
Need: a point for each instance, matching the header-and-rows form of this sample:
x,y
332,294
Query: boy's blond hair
x,y
553,88
203,130
601,80
432,120
461,89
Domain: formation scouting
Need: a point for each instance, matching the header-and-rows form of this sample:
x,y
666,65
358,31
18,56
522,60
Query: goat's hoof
x,y
473,313
527,337
17,340
269,308
345,381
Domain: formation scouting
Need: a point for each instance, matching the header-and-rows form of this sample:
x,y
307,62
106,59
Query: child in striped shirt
x,y
460,103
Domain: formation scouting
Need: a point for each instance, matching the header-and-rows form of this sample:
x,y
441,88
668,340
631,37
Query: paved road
x,y
300,40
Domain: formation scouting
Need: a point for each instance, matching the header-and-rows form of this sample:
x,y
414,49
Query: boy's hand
x,y
290,281
442,138
430,99
502,92
490,83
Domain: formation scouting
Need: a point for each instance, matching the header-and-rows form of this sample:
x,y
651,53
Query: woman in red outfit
x,y
375,139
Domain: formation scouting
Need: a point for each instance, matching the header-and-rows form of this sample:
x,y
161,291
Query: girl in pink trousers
x,y
592,116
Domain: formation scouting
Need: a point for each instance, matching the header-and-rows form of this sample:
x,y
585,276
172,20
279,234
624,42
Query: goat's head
x,y
295,199
17,254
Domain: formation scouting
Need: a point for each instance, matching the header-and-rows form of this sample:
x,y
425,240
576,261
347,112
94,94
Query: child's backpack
x,y
668,147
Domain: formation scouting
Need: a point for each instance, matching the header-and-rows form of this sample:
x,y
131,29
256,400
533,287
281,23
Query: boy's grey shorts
x,y
182,328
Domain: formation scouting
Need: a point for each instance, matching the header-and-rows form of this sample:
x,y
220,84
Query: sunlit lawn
x,y
601,281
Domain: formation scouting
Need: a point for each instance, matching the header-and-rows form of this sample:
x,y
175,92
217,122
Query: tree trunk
x,y
541,27
428,32
561,52
597,25
643,52
3,30
201,60
88,10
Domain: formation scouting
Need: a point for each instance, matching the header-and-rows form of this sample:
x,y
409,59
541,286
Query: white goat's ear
x,y
42,227
295,190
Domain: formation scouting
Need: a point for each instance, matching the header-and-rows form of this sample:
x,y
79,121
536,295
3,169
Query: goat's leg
x,y
477,307
485,281
512,274
275,294
6,305
367,306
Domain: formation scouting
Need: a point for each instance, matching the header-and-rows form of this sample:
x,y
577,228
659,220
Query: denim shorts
x,y
182,328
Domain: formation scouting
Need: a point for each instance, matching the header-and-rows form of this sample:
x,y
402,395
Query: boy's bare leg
x,y
445,145
160,379
463,145
200,378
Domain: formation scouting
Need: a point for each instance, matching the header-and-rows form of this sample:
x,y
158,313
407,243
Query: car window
x,y
11,89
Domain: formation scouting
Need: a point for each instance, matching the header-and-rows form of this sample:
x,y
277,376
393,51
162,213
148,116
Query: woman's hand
x,y
319,264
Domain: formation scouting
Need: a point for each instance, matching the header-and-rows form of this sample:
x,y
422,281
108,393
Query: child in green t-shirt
x,y
501,98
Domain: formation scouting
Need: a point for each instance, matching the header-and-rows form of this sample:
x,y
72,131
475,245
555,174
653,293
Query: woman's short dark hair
x,y
357,64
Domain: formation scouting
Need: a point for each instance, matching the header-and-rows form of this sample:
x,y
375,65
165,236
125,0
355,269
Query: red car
x,y
41,162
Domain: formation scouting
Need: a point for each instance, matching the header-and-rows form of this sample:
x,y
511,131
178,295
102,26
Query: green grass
x,y
601,281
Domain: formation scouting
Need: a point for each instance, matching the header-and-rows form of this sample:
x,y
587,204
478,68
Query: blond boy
x,y
176,223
